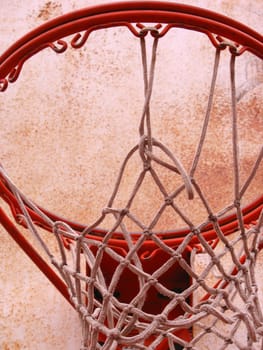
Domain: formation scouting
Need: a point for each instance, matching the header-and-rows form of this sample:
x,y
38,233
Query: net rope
x,y
226,309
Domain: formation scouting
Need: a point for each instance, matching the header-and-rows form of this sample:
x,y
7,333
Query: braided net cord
x,y
112,319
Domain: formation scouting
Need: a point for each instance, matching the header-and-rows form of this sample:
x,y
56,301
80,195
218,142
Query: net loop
x,y
79,40
59,47
3,85
14,74
153,30
234,48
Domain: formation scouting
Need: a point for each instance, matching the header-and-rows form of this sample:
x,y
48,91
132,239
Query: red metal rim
x,y
120,14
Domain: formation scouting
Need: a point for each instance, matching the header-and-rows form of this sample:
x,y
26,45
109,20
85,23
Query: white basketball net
x,y
226,311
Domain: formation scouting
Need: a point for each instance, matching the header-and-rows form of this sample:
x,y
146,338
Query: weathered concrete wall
x,y
68,162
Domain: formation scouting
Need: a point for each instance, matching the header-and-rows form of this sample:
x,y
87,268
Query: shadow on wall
x,y
254,77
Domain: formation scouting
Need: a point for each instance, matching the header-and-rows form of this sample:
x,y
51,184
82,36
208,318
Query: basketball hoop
x,y
136,289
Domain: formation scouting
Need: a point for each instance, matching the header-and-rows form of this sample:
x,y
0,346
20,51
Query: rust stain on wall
x,y
12,346
49,10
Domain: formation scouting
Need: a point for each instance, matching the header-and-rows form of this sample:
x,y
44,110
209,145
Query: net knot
x,y
124,263
107,296
115,334
215,260
177,256
80,238
180,299
146,165
228,341
200,281
241,315
128,309
237,203
244,268
168,200
92,281
208,330
212,217
160,319
206,308
148,233
229,246
144,141
106,211
152,281
102,246
196,231
124,212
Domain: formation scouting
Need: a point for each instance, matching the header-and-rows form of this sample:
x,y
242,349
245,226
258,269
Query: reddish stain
x,y
50,9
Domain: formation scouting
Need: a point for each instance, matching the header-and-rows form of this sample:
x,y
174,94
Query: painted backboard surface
x,y
68,122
